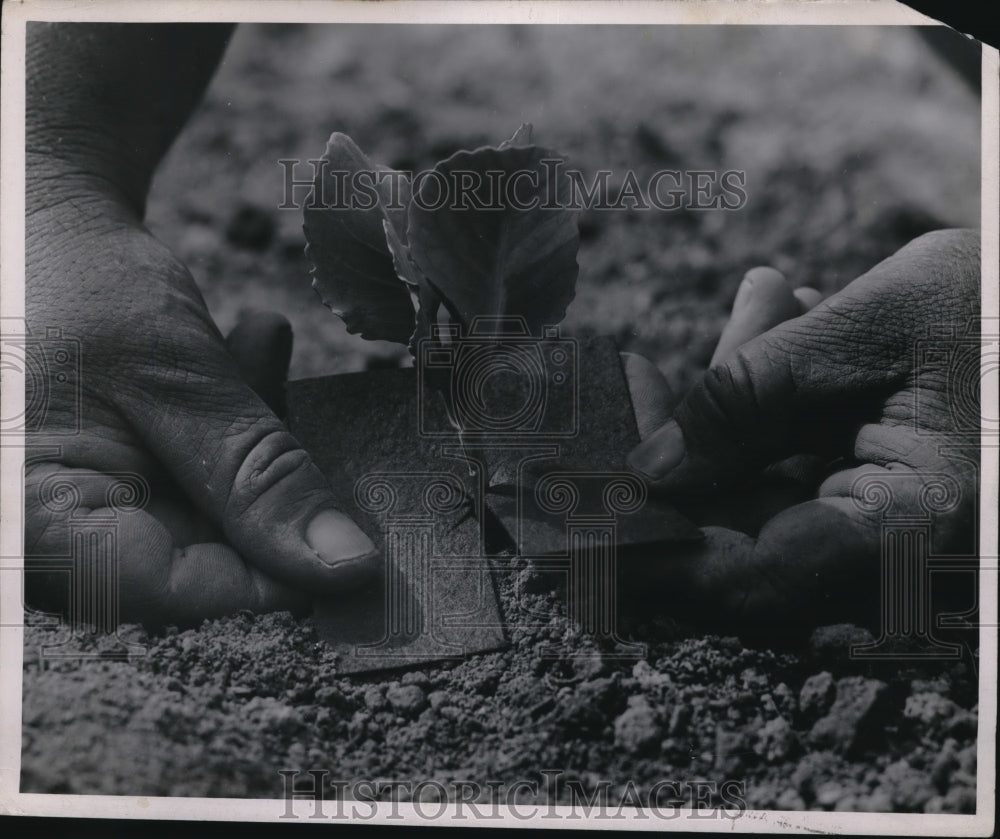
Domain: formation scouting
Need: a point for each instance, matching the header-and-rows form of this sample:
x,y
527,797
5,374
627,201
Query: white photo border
x,y
646,12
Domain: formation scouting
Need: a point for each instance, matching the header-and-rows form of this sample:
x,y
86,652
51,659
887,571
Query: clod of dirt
x,y
637,730
374,699
813,771
407,700
650,680
830,794
437,698
931,709
907,788
857,710
776,740
816,696
585,711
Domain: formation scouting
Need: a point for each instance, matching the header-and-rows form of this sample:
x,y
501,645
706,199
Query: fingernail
x,y
337,539
655,456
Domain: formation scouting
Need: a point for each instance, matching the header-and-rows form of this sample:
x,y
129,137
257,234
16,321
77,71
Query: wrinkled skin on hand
x,y
228,522
787,438
238,516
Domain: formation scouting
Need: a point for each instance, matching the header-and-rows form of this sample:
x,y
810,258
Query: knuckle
x,y
272,477
726,395
285,465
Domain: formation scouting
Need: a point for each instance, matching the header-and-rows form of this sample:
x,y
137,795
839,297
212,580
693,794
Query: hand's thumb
x,y
240,466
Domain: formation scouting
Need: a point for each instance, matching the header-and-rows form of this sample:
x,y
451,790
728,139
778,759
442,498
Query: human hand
x,y
844,390
238,516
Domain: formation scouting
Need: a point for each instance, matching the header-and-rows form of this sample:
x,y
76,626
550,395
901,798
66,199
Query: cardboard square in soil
x,y
420,502
422,492
539,485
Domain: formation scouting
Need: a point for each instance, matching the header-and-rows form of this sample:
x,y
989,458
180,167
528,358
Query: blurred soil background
x,y
853,141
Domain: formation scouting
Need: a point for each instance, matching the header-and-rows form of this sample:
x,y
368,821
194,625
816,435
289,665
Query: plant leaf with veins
x,y
426,302
353,270
495,257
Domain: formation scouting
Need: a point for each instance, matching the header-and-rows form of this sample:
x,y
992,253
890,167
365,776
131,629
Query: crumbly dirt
x,y
219,710
853,141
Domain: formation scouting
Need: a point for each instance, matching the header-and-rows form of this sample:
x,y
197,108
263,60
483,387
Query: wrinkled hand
x,y
238,516
798,415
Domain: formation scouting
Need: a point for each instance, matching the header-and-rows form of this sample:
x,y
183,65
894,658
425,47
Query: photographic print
x,y
548,414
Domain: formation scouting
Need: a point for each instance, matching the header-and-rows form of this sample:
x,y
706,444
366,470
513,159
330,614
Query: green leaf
x,y
352,266
517,258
